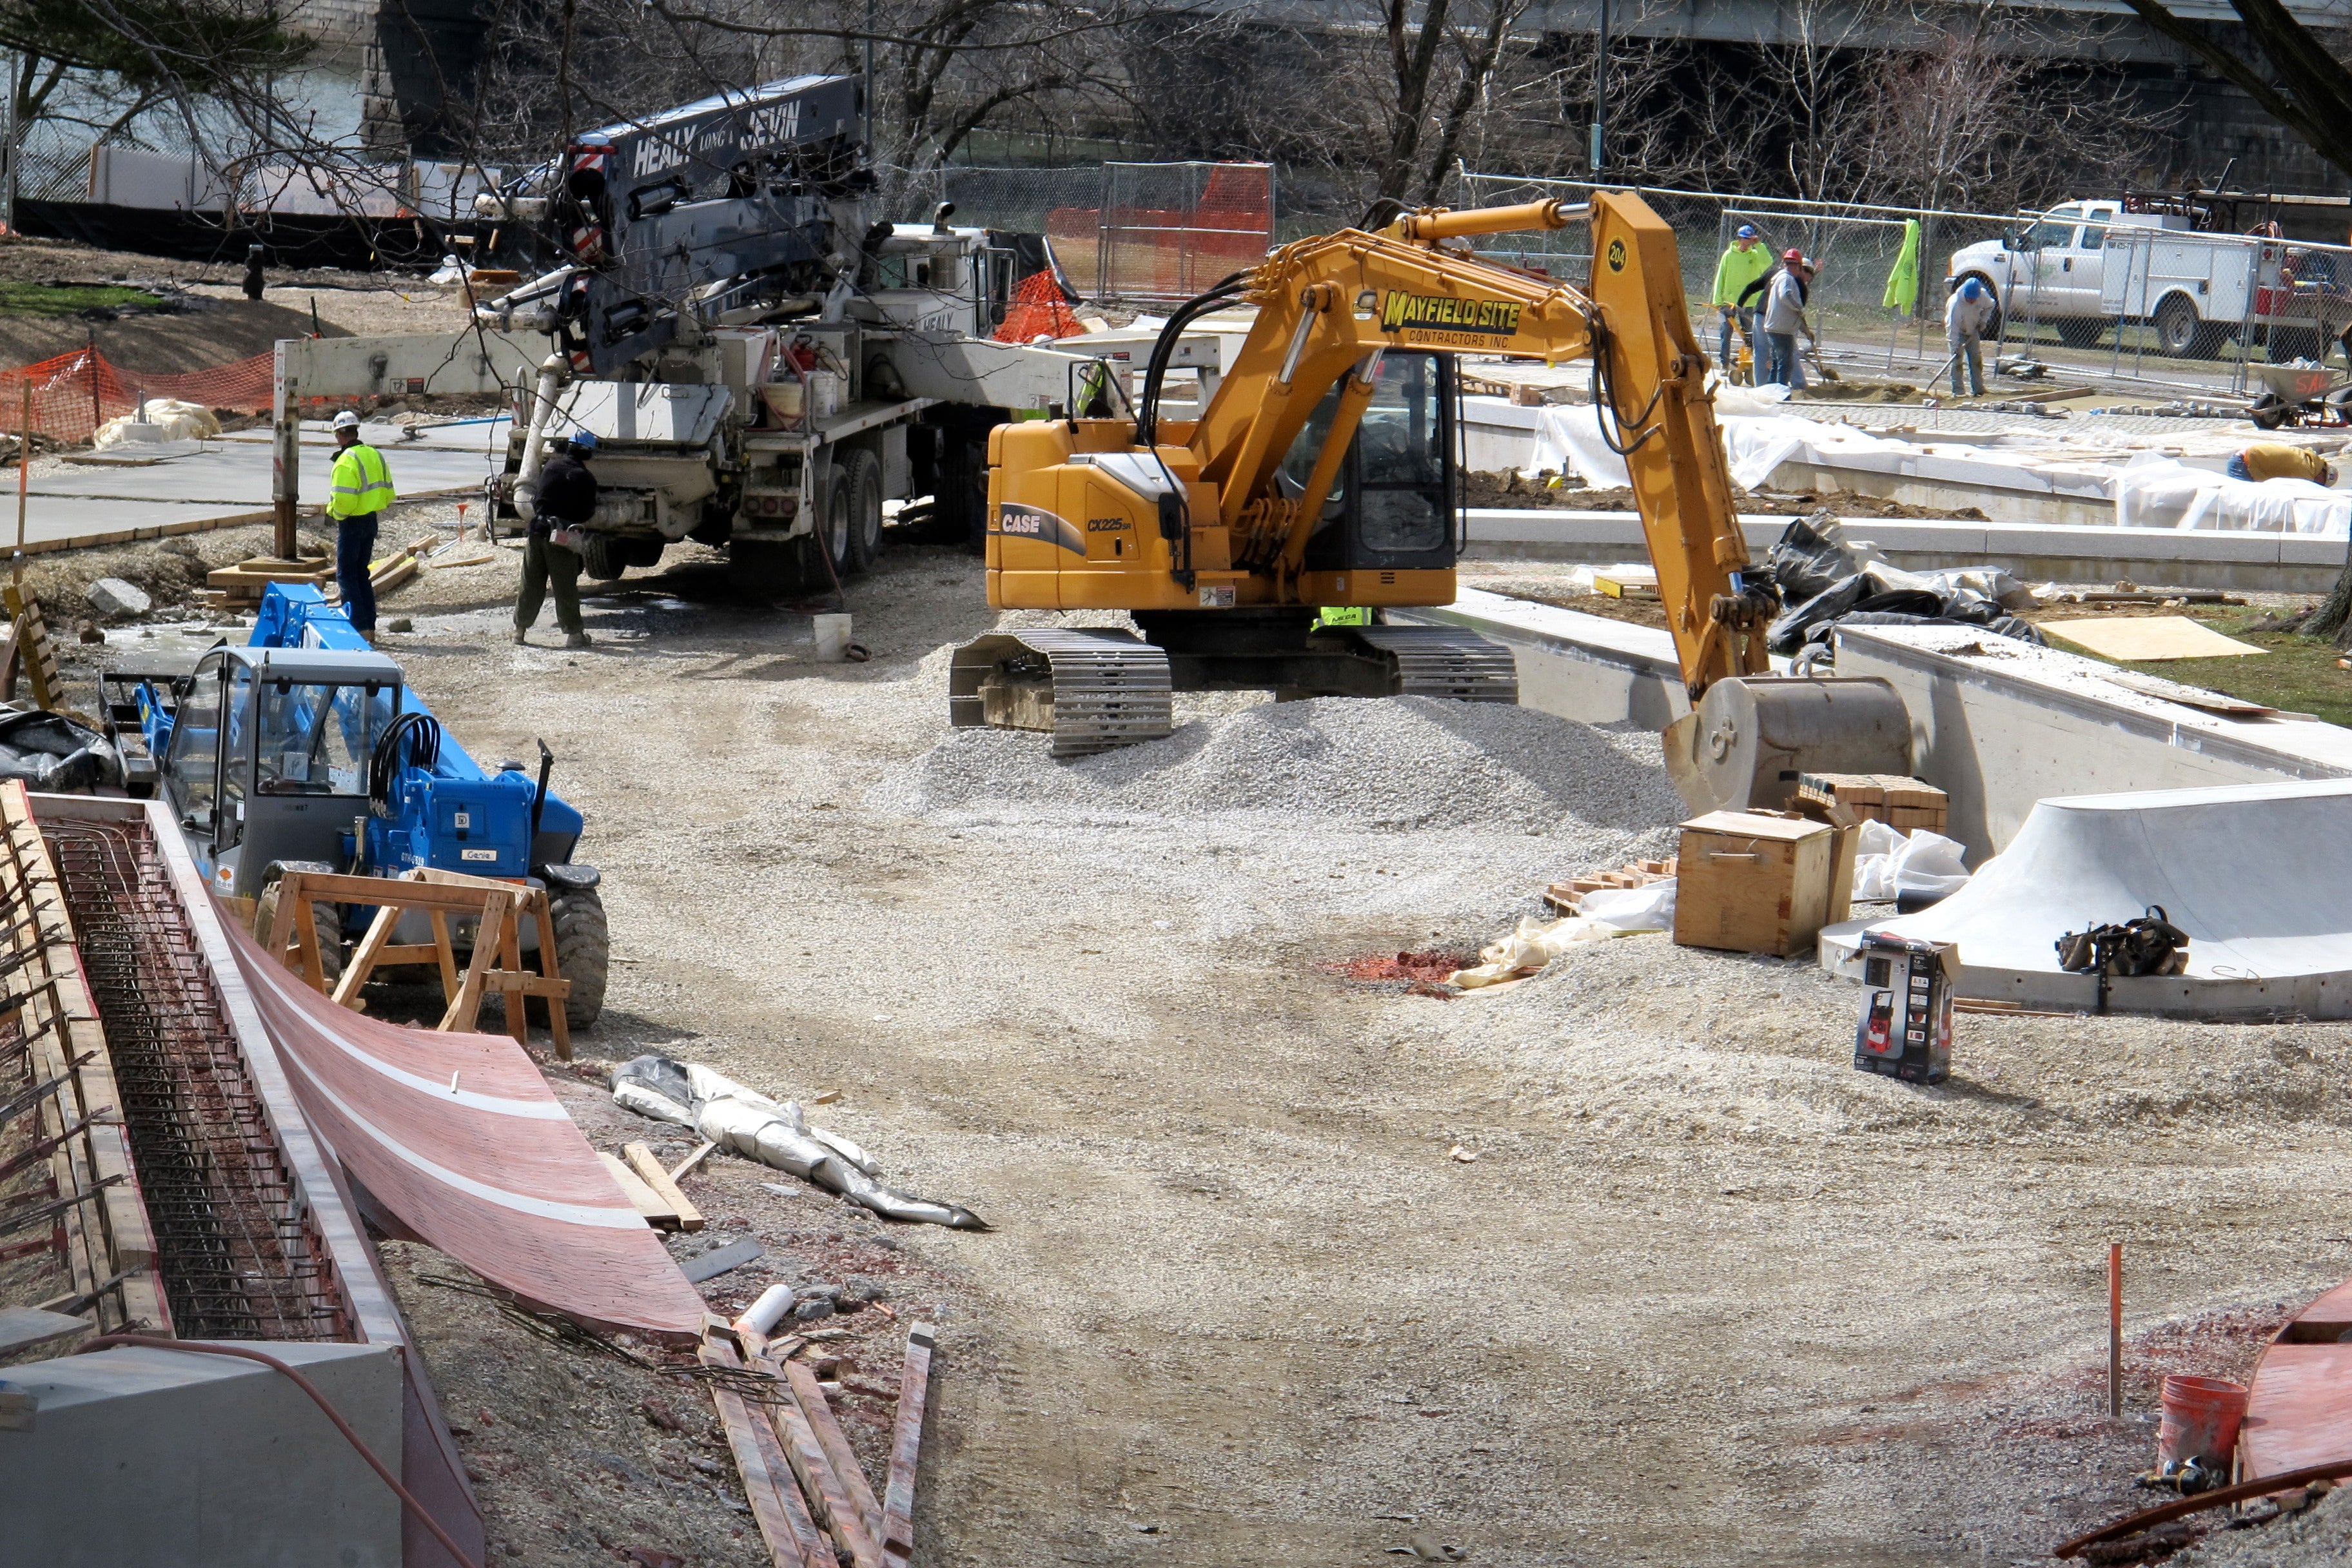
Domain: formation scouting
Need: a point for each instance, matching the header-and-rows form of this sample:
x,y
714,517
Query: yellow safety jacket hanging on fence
x,y
361,483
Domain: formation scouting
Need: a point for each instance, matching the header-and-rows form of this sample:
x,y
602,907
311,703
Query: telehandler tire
x,y
324,920
583,951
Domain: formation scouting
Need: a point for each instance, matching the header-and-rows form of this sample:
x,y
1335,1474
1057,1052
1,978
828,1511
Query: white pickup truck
x,y
2086,266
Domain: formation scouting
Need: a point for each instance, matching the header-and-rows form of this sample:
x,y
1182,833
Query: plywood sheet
x,y
2135,638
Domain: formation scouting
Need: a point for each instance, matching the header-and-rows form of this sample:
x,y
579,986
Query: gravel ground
x,y
1705,1294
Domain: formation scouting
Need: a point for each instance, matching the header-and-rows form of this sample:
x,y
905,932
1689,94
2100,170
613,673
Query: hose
x,y
384,763
407,1498
1163,349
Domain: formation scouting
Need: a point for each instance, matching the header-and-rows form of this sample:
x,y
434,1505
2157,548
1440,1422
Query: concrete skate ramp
x,y
2254,873
458,1139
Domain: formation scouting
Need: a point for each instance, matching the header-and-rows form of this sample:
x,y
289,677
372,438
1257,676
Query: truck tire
x,y
861,475
583,951
2080,332
2176,326
600,560
324,921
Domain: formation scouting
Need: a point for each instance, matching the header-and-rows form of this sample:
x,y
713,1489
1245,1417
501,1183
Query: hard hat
x,y
1747,231
584,440
2328,470
1972,290
347,420
1793,258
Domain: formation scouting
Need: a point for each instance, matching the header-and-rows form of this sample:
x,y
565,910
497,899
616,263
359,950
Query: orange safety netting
x,y
77,392
1039,310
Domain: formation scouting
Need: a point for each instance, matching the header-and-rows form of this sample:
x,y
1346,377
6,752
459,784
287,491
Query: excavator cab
x,y
1393,505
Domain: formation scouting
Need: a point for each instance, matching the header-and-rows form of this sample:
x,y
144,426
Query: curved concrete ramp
x,y
2256,875
460,1139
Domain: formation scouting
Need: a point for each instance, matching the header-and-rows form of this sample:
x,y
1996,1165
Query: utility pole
x,y
1601,88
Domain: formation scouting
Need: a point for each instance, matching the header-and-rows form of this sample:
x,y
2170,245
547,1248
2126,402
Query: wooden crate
x,y
1900,802
1755,883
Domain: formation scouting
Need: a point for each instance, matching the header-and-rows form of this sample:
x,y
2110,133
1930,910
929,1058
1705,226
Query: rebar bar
x,y
236,1249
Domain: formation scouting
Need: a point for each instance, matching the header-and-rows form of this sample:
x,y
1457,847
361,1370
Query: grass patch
x,y
20,299
2297,673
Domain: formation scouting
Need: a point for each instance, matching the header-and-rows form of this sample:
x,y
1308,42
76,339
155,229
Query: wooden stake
x,y
906,1448
24,478
691,1161
650,1171
2116,1329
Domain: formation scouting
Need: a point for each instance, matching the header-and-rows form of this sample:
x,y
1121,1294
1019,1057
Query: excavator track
x,y
1440,661
1093,690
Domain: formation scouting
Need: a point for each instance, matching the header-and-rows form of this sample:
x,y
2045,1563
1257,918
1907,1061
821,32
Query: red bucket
x,y
2201,1420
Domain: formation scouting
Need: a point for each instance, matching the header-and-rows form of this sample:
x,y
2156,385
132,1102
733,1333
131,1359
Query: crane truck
x,y
1323,472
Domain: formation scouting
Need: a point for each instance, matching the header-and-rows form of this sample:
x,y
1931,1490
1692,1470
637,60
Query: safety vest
x,y
361,484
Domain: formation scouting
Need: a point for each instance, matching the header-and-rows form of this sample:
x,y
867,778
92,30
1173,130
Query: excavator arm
x,y
1329,307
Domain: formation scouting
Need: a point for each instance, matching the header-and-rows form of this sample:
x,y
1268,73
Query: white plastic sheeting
x,y
1888,863
2156,491
1567,440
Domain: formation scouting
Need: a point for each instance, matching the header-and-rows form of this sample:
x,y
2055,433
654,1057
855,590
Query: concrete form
x,y
1998,724
2083,552
139,1457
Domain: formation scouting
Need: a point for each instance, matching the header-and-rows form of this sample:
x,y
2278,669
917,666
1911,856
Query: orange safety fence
x,y
1039,310
77,392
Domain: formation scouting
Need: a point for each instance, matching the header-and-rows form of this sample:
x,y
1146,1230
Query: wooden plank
x,y
643,1198
641,1159
463,897
559,1027
467,1009
814,1548
2133,639
371,950
23,1327
906,1447
445,955
762,1488
837,1451
828,1498
690,1162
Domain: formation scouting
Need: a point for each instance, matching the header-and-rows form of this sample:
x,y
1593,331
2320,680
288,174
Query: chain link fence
x,y
1130,232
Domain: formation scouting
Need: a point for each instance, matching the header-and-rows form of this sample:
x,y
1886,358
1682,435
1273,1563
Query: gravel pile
x,y
1401,765
2322,1536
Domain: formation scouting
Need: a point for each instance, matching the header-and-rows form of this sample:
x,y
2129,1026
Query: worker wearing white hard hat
x,y
357,493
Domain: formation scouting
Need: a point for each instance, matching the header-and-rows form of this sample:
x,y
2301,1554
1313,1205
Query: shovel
x,y
1814,354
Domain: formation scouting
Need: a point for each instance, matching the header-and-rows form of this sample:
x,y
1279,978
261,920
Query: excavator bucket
x,y
1745,742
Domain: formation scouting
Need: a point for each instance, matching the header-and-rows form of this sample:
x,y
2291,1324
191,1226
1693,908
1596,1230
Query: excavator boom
x,y
1321,473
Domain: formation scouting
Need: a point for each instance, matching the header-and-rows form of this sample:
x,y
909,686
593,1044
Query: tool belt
x,y
2151,944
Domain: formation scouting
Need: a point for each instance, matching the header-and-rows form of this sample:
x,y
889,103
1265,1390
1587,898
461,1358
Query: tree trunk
x,y
2333,620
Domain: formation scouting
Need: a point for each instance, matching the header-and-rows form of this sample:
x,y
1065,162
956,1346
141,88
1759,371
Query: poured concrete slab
x,y
178,1459
2254,874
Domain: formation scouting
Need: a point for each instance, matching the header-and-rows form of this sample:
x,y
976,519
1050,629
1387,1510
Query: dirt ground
x,y
1705,1294
206,320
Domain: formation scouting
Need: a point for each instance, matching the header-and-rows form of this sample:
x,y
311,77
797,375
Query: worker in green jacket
x,y
1747,259
357,492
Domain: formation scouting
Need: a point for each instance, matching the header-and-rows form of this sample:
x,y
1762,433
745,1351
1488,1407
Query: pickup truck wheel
x,y
2080,332
324,923
861,476
583,951
2176,326
600,560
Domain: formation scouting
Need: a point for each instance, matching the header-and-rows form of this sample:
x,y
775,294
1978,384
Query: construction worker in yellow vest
x,y
357,492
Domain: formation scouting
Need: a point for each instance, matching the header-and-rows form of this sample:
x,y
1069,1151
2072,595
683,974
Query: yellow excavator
x,y
1322,472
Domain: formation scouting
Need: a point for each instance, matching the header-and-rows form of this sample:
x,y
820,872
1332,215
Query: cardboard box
x,y
1758,882
1905,1029
1902,803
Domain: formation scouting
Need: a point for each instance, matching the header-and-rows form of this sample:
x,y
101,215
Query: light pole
x,y
1601,88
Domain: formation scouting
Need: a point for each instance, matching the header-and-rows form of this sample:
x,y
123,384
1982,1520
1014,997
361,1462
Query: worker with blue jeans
x,y
1742,265
1785,299
357,491
1967,315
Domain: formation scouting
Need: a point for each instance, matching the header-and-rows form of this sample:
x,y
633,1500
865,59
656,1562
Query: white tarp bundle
x,y
2156,491
774,1132
1888,863
1567,440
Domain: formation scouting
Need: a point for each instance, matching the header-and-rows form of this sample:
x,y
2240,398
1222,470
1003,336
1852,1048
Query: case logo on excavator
x,y
1014,520
1401,311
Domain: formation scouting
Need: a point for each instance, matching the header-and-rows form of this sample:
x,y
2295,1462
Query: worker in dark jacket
x,y
566,500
